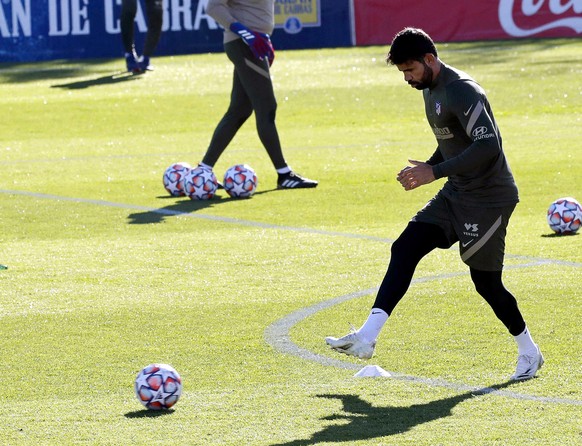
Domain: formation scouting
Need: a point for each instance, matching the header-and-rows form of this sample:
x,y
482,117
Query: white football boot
x,y
528,365
352,345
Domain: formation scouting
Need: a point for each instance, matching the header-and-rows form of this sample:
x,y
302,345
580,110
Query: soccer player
x,y
154,13
473,207
247,27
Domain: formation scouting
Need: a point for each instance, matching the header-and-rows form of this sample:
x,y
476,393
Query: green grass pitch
x,y
106,273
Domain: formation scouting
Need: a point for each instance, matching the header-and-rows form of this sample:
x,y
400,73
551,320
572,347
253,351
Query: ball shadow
x,y
555,234
146,413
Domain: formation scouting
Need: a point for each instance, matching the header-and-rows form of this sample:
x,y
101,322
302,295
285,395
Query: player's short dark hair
x,y
410,44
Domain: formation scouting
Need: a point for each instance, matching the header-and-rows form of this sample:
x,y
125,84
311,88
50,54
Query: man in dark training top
x,y
473,207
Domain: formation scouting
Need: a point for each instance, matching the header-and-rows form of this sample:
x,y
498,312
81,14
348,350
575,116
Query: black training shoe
x,y
131,63
293,181
144,64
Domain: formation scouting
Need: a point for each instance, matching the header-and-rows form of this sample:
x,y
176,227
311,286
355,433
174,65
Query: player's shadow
x,y
109,79
362,421
183,207
20,72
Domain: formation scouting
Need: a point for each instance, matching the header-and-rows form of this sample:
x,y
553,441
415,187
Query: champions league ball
x,y
565,216
173,178
158,386
200,183
240,181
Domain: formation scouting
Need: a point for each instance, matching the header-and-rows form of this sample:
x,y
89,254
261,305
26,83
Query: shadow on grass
x,y
184,206
362,421
554,234
110,79
19,72
145,413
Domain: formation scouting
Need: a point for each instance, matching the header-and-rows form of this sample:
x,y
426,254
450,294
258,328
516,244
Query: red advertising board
x,y
376,21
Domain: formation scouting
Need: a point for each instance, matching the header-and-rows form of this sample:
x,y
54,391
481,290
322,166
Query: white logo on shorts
x,y
473,227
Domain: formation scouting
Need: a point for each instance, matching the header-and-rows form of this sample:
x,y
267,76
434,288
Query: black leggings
x,y
416,241
154,14
252,90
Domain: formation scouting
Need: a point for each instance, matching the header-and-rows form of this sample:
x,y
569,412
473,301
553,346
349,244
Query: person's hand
x,y
259,43
414,176
271,54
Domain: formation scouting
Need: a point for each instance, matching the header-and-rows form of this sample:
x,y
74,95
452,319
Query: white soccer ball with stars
x,y
565,216
173,178
240,181
200,183
158,386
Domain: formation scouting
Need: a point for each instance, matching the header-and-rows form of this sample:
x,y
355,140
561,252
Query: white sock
x,y
525,344
373,325
283,170
206,166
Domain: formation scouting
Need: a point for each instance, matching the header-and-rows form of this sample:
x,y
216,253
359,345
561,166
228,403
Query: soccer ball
x,y
200,183
565,215
240,181
158,386
173,178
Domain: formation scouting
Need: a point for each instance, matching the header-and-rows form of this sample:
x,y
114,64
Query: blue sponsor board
x,y
34,30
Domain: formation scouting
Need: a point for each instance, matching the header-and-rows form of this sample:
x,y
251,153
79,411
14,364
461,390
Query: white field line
x,y
230,220
195,215
277,334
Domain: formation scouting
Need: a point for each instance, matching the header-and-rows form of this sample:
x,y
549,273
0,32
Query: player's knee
x,y
239,114
399,246
265,119
488,283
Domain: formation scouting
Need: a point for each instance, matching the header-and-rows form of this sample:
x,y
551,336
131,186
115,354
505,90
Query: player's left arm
x,y
469,104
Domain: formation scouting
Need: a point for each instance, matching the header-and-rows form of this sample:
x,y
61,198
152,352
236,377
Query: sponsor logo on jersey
x,y
481,132
437,107
442,133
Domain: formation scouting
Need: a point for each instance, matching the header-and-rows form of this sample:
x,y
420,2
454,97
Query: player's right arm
x,y
469,104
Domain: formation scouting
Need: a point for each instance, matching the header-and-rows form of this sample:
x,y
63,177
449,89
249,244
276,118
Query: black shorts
x,y
480,231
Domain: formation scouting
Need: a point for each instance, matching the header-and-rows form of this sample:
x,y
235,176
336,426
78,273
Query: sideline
x,y
256,224
195,215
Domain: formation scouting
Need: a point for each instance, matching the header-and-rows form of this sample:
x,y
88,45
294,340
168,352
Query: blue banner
x,y
35,30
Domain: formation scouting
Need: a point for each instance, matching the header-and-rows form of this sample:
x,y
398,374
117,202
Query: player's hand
x,y
259,43
271,53
414,176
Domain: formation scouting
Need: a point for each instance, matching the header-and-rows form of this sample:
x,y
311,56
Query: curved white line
x,y
277,335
